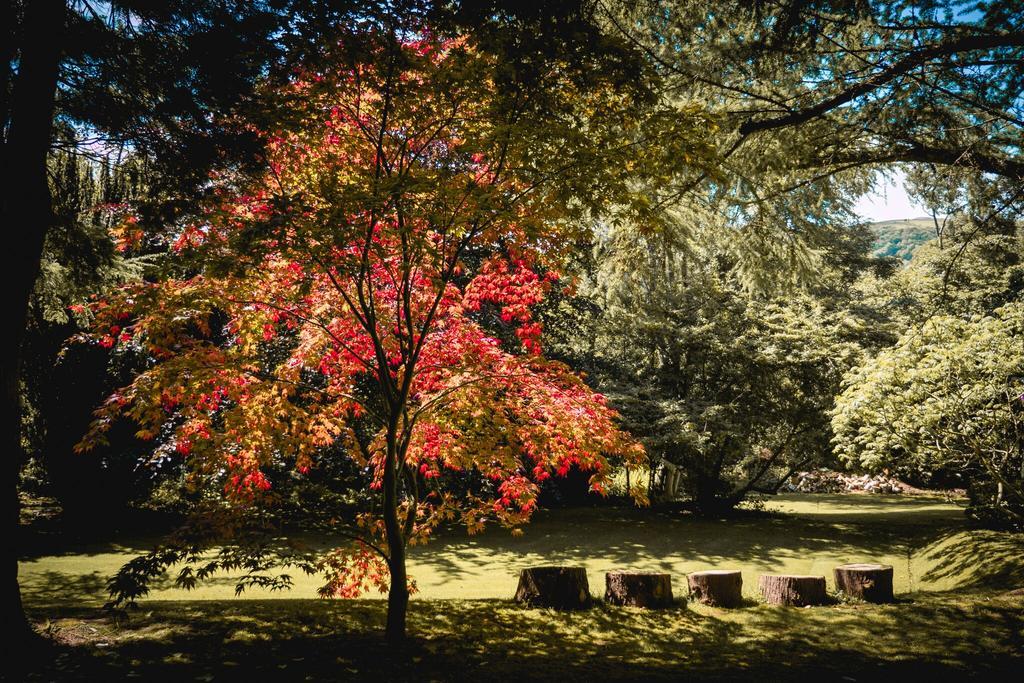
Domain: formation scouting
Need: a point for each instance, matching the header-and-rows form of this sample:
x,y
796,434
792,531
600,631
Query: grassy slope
x,y
973,631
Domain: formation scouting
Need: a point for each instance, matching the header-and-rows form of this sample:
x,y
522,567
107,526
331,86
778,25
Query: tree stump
x,y
797,591
557,587
638,589
869,582
717,587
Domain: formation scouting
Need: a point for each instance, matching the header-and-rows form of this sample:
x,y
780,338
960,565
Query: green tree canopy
x,y
949,395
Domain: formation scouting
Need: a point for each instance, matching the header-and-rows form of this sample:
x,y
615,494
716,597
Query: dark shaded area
x,y
70,386
942,639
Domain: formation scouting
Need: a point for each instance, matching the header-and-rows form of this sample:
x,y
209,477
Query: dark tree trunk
x,y
717,587
796,591
398,600
638,589
869,582
714,504
26,217
557,587
398,592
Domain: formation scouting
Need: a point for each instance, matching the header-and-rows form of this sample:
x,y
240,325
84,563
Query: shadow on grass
x,y
51,587
643,539
944,638
979,559
927,555
930,554
54,588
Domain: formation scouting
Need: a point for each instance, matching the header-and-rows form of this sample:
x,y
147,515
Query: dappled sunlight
x,y
603,539
464,618
348,334
63,585
863,508
934,551
978,558
944,636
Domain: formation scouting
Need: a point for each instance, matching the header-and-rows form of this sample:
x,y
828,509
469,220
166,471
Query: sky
x,y
889,201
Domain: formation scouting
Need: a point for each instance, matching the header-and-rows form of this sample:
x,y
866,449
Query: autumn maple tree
x,y
375,289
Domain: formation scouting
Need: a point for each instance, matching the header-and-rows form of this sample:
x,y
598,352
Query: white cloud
x,y
889,201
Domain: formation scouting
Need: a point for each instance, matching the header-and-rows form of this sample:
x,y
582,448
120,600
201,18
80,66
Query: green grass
x,y
925,539
954,618
943,638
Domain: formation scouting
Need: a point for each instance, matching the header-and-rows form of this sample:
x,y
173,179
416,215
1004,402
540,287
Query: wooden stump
x,y
557,587
638,589
869,582
717,587
787,589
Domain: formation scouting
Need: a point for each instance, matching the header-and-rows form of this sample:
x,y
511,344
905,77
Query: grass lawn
x,y
954,619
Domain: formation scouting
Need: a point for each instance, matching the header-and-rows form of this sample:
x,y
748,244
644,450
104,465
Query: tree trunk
x,y
797,591
398,601
398,592
26,216
557,587
638,589
869,582
717,587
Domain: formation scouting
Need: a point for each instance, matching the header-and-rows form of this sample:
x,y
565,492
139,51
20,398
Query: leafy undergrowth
x,y
942,636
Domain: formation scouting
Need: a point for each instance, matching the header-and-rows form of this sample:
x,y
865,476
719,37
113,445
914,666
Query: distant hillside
x,y
900,238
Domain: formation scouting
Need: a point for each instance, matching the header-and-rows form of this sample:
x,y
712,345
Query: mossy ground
x,y
955,617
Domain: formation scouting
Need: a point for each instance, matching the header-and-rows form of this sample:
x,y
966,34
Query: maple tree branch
x,y
313,321
361,539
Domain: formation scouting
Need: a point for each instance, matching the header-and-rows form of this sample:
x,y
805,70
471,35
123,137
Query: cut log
x,y
557,587
869,582
797,591
717,587
638,589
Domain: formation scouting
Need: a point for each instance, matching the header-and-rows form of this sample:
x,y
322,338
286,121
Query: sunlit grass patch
x,y
925,539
